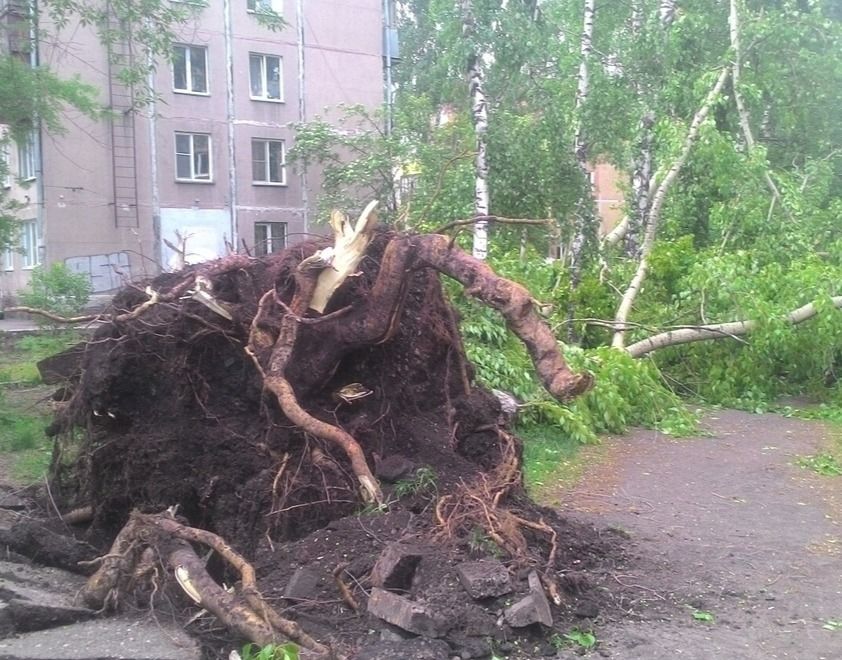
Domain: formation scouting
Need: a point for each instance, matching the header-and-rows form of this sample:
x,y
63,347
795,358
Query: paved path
x,y
17,325
727,524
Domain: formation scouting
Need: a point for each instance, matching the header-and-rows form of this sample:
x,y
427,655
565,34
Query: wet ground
x,y
725,526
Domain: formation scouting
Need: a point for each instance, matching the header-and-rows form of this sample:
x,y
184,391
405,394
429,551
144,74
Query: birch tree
x,y
479,115
585,219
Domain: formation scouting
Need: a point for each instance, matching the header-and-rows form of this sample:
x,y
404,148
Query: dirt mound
x,y
173,408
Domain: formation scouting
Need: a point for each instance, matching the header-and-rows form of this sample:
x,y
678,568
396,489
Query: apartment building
x,y
203,169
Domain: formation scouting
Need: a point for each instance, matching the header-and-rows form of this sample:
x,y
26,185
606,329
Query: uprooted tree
x,y
259,395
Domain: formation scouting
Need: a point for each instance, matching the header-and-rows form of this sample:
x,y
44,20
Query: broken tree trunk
x,y
731,329
653,219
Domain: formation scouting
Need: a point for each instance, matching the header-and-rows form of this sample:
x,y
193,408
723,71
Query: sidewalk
x,y
18,325
28,325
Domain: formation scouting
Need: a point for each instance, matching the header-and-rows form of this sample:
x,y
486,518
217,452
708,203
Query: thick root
x,y
516,305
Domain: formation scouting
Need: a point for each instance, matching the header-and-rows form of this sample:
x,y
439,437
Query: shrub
x,y
57,289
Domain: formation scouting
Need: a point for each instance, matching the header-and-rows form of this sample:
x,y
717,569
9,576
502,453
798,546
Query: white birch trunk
x,y
718,330
636,284
479,114
666,12
585,228
742,110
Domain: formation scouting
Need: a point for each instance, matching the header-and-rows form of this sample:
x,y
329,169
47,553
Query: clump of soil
x,y
170,410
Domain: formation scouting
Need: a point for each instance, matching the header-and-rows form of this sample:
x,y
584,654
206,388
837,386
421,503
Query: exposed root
x,y
344,591
78,516
132,556
516,305
482,505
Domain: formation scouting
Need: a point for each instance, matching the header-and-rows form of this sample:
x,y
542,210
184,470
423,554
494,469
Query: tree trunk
x,y
585,219
666,12
651,231
742,109
718,330
479,114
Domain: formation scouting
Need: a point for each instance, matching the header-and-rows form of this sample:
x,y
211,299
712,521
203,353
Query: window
x,y
8,259
190,69
264,5
29,244
192,157
27,161
268,162
265,74
269,237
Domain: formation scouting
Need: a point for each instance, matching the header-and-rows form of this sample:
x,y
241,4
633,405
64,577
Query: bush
x,y
57,289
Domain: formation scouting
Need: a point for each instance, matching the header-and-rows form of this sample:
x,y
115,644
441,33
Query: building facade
x,y
201,170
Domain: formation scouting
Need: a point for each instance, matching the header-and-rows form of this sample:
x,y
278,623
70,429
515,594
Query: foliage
x,y
270,652
824,464
423,483
628,392
703,616
57,289
581,638
481,543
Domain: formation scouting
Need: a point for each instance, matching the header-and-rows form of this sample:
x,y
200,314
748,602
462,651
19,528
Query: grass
x,y
824,464
17,363
549,457
22,440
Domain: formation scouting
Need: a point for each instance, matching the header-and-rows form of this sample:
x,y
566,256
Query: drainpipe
x,y
387,47
232,160
302,107
41,201
152,127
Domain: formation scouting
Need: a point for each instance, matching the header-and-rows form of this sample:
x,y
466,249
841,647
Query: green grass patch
x,y
23,441
549,456
824,464
17,363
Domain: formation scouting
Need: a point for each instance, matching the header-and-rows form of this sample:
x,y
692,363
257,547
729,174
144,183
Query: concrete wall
x,y
609,195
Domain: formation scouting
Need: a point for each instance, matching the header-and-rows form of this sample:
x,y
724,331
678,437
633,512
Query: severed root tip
x,y
370,490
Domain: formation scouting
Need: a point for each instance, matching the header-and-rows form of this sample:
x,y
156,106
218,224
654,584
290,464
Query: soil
x,y
725,523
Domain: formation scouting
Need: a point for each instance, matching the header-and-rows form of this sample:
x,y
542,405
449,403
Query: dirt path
x,y
725,523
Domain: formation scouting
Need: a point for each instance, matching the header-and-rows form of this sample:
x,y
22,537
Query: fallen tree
x,y
266,397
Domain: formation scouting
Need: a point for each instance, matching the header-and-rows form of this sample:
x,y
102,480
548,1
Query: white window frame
x,y
29,244
268,245
194,178
28,159
256,6
9,259
267,154
264,80
188,70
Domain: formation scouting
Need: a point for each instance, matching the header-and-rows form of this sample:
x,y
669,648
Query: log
x,y
718,330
